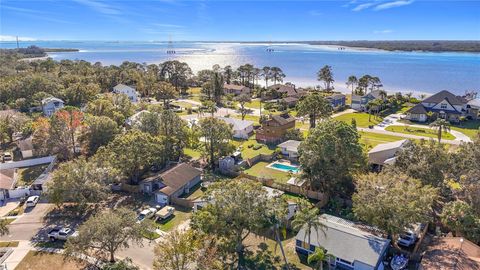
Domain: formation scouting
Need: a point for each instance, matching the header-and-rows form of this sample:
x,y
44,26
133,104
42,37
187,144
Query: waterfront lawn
x,y
370,139
26,176
260,170
180,215
45,261
361,118
426,132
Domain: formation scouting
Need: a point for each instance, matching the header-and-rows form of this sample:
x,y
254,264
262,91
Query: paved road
x,y
141,255
27,225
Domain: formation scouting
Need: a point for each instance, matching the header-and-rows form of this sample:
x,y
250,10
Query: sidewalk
x,y
9,206
18,254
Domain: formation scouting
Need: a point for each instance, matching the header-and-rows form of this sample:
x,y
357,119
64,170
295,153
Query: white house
x,y
290,148
131,93
51,104
135,118
241,128
353,246
385,153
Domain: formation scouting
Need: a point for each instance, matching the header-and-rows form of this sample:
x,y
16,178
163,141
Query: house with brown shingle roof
x,y
278,91
235,89
173,182
7,182
274,129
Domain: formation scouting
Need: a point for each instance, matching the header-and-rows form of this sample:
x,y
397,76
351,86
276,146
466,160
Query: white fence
x,y
18,193
27,163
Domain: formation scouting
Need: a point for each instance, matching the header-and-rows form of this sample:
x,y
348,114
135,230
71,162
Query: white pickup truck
x,y
61,234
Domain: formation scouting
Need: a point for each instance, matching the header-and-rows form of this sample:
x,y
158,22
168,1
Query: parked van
x,y
32,201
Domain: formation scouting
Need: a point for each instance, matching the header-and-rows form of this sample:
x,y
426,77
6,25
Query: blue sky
x,y
240,20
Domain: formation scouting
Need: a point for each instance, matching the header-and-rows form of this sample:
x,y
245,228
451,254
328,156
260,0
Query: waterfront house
x,y
385,153
241,128
278,91
235,89
131,93
337,100
274,129
444,105
290,149
359,103
174,182
352,245
51,104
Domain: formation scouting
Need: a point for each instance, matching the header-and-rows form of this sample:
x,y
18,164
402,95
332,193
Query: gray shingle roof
x,y
388,146
283,119
417,109
347,240
290,145
237,124
123,87
440,96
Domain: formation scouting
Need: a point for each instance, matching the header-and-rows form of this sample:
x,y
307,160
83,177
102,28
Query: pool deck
x,y
285,163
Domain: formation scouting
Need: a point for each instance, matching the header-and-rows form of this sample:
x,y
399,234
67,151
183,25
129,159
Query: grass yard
x,y
195,193
361,118
260,170
181,215
36,260
255,242
26,176
9,244
183,104
192,153
426,132
255,104
248,117
370,139
251,152
194,90
469,128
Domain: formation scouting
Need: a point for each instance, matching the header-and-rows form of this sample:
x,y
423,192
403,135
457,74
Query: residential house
x,y
278,91
135,118
131,93
353,246
274,129
290,149
235,89
241,128
337,100
385,153
172,183
26,147
444,105
7,182
51,104
290,101
359,103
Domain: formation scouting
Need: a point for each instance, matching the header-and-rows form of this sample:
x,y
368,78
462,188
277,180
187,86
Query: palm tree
x,y
307,218
277,74
352,81
441,125
318,257
382,94
373,105
325,74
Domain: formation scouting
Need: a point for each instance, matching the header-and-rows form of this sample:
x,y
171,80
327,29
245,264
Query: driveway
x,y
26,226
393,119
142,255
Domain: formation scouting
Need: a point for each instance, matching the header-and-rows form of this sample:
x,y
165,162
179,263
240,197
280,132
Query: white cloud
x,y
100,7
14,38
386,31
393,4
362,6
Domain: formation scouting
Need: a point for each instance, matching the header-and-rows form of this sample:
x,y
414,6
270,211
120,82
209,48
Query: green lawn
x,y
26,176
194,90
183,104
370,139
181,215
255,104
248,117
9,244
192,153
469,128
426,132
361,118
195,193
260,170
250,152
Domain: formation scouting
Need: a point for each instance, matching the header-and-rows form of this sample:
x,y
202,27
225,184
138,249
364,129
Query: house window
x,y
443,106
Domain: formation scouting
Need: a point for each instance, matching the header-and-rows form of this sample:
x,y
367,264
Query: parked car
x,y
147,213
7,157
61,233
410,236
32,201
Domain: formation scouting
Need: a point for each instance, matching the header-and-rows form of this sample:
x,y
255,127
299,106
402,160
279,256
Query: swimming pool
x,y
284,167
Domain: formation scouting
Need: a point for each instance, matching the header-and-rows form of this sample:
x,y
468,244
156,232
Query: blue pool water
x,y
284,167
